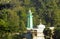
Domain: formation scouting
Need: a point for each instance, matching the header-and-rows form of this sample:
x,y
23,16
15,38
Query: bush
x,y
47,33
56,33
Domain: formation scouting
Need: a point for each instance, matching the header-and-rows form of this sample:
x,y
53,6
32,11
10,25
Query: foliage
x,y
13,14
56,33
47,33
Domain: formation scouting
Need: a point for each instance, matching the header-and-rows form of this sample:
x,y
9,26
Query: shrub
x,y
47,33
56,33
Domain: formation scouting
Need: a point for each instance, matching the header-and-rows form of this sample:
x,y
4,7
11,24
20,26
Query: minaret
x,y
30,21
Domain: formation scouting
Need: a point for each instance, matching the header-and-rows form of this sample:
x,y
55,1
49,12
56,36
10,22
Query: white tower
x,y
39,30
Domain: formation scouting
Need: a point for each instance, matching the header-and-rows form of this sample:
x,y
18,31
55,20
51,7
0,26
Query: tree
x,y
9,22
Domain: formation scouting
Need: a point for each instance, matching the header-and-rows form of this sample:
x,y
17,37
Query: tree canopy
x,y
13,13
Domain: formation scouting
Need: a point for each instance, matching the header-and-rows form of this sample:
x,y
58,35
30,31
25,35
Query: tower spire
x,y
40,21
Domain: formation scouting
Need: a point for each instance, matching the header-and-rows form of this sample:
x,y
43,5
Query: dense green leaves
x,y
47,10
56,33
13,13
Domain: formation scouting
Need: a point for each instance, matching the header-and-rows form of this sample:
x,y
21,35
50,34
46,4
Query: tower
x,y
30,20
